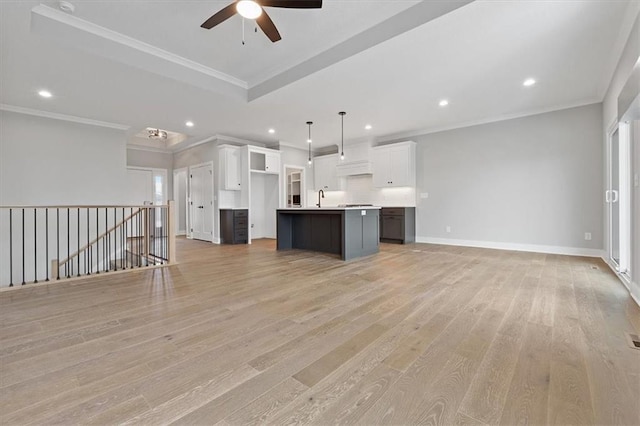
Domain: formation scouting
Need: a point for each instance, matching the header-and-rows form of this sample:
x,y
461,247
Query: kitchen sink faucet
x,y
321,192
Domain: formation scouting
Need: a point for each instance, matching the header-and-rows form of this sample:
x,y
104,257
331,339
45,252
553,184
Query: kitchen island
x,y
348,232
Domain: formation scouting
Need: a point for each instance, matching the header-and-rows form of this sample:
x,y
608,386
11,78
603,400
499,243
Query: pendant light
x,y
342,114
309,123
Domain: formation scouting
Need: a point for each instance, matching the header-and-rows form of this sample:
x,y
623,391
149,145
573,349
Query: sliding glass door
x,y
613,198
618,197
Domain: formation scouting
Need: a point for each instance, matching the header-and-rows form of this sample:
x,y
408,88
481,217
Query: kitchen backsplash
x,y
360,190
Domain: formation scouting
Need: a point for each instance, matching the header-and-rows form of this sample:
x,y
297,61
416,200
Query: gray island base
x,y
349,232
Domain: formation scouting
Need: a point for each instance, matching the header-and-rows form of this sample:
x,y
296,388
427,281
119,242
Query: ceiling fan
x,y
254,10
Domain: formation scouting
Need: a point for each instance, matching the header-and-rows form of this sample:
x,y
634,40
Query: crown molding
x,y
62,117
505,117
194,144
239,140
148,149
119,38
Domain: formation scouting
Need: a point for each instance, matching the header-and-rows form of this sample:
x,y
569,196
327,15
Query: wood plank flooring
x,y
236,335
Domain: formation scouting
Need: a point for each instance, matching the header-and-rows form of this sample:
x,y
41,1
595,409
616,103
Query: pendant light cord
x,y
309,123
342,114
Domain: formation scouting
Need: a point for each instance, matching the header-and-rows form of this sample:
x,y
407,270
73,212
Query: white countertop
x,y
315,209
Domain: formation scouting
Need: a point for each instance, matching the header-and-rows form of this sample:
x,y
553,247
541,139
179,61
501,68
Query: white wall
x,y
45,161
533,182
628,59
48,162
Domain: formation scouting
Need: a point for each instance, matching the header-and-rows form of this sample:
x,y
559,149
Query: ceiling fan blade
x,y
221,16
292,4
269,28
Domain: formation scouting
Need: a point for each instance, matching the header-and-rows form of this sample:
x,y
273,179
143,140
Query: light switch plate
x,y
424,195
363,212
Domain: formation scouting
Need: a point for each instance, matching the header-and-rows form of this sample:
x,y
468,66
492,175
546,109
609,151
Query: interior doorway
x,y
294,192
201,201
181,198
145,185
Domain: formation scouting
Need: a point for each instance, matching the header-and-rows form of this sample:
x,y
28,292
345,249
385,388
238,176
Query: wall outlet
x,y
587,236
448,228
424,195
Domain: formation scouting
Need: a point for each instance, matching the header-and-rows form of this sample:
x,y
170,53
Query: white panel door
x,y
139,186
201,204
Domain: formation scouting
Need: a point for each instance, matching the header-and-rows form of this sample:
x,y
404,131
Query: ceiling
x,y
387,63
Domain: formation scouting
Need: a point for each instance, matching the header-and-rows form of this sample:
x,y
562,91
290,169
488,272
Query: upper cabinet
x,y
394,165
264,160
324,173
230,168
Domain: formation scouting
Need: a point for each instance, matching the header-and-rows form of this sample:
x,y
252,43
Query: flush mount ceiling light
x,y
189,124
309,123
342,114
529,82
272,131
248,9
368,127
157,134
443,103
45,94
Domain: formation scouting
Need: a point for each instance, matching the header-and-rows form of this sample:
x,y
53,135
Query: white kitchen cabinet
x,y
394,165
264,160
230,168
324,173
272,162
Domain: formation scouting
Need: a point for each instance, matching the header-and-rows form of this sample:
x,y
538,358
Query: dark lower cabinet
x,y
398,225
234,226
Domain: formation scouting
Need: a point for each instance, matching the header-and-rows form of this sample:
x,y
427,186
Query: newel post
x,y
172,231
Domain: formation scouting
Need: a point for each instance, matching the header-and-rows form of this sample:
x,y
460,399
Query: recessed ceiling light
x,y
529,82
368,127
189,124
45,93
443,102
272,131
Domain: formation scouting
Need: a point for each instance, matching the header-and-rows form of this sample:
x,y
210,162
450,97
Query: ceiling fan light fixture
x,y
249,9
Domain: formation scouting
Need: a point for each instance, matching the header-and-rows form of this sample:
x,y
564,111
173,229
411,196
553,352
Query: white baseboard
x,y
571,251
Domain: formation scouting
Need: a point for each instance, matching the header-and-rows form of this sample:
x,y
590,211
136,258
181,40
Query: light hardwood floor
x,y
246,335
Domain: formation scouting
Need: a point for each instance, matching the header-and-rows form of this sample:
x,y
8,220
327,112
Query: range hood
x,y
354,168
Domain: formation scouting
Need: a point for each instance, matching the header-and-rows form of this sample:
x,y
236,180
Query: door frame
x,y
185,201
190,206
624,196
154,171
303,186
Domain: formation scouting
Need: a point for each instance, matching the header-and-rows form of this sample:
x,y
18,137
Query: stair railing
x,y
46,243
